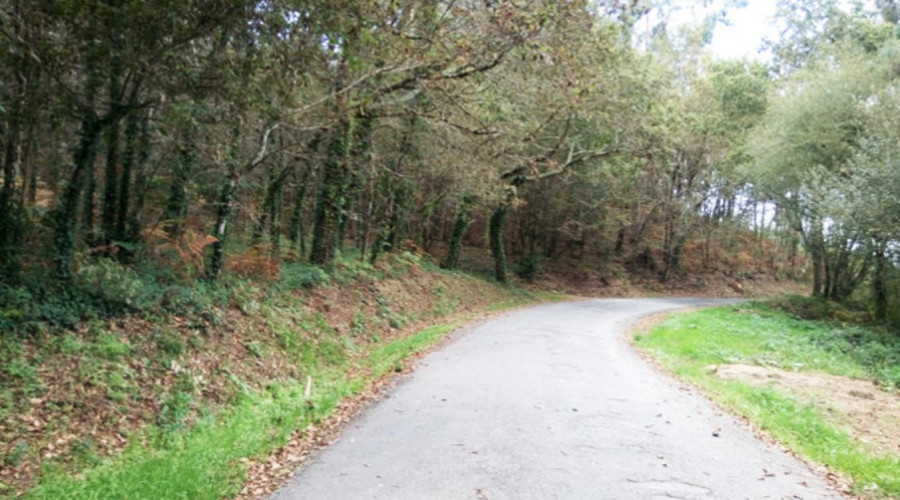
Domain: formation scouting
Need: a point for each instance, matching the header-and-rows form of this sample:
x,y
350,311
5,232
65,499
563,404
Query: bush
x,y
529,266
296,276
110,282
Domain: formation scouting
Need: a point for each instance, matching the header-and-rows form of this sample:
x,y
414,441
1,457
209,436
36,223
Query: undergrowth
x,y
105,288
134,341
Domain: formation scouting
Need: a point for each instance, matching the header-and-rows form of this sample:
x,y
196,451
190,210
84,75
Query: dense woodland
x,y
187,140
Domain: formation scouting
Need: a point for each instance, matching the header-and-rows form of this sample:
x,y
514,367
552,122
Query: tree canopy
x,y
203,138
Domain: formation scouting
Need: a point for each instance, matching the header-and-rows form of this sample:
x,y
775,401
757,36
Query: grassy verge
x,y
207,460
690,344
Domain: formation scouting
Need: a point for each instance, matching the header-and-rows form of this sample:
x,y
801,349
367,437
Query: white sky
x,y
749,26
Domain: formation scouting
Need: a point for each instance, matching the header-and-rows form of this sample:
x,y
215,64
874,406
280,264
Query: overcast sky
x,y
749,26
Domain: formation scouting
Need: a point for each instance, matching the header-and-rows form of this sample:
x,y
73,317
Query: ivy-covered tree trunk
x,y
220,229
330,198
223,207
270,219
428,222
460,224
88,207
66,216
495,234
262,223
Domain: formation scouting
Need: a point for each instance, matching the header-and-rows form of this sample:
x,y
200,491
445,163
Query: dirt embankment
x,y
88,393
865,411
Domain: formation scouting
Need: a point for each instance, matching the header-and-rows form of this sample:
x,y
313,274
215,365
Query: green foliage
x,y
110,346
175,409
296,275
350,268
529,266
15,456
23,372
106,288
170,345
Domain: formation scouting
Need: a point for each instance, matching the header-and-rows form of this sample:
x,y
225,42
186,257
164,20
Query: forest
x,y
193,139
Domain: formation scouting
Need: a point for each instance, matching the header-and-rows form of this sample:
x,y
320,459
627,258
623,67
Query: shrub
x,y
296,276
529,266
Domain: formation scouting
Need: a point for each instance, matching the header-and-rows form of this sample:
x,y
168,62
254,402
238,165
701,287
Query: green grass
x,y
206,460
757,334
391,356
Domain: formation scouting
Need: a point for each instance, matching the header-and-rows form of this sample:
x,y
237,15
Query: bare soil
x,y
868,413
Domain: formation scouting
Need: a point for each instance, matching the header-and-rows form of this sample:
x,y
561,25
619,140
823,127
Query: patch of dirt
x,y
859,407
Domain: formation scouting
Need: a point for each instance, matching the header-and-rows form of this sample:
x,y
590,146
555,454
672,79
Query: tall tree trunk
x,y
10,211
879,282
220,228
129,157
388,232
329,199
140,181
111,181
261,227
495,234
815,243
460,224
223,207
270,220
66,216
88,208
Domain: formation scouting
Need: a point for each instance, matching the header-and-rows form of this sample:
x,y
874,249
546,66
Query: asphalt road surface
x,y
551,402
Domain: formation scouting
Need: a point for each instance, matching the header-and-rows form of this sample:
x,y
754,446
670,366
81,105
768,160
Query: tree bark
x,y
223,207
10,211
220,229
111,183
329,202
495,230
815,244
67,212
140,181
460,224
879,282
129,157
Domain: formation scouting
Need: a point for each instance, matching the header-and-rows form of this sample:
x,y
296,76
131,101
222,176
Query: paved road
x,y
550,402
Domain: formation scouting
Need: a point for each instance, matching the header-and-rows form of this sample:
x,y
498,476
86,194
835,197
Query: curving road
x,y
551,402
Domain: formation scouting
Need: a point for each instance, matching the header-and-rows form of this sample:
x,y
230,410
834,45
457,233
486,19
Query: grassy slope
x,y
281,360
690,344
